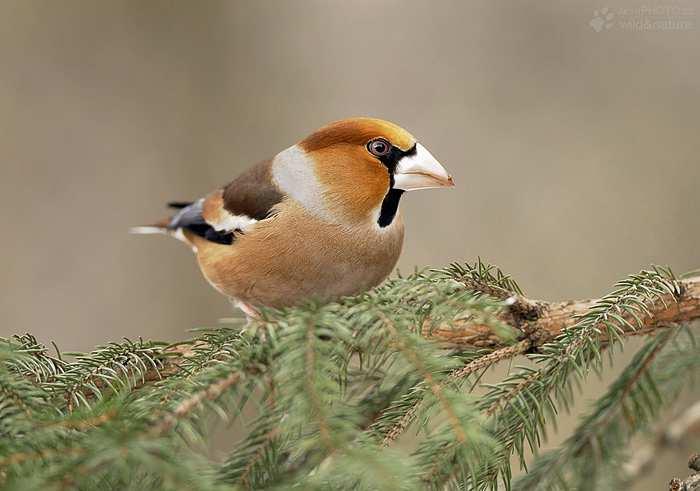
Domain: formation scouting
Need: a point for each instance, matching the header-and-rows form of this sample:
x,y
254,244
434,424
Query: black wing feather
x,y
178,205
190,218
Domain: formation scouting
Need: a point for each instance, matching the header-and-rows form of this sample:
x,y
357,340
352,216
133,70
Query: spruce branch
x,y
212,392
457,375
519,406
633,400
692,482
482,277
253,462
116,366
544,321
32,359
19,402
437,389
333,382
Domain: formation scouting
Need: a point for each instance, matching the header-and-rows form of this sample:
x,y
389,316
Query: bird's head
x,y
357,169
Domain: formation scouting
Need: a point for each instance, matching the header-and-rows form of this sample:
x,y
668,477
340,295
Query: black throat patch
x,y
390,204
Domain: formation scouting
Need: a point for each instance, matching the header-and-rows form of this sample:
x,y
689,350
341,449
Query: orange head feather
x,y
354,181
355,170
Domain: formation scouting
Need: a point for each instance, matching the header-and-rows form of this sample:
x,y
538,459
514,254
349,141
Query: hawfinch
x,y
318,221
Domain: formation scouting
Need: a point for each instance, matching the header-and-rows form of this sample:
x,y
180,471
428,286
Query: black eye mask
x,y
391,160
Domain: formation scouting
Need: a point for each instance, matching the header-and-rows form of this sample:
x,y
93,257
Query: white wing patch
x,y
228,223
222,220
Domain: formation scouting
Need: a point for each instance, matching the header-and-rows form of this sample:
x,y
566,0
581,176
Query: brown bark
x,y
692,482
537,321
540,321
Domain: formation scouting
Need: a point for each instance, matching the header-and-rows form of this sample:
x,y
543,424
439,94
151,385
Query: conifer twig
x,y
436,388
541,322
519,404
480,363
692,482
134,409
212,392
545,320
625,409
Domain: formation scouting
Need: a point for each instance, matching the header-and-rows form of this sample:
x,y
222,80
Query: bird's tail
x,y
147,230
161,226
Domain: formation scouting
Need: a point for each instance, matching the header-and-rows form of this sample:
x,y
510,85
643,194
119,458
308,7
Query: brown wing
x,y
244,201
252,194
235,207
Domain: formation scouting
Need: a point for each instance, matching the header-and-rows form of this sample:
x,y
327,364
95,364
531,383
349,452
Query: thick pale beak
x,y
421,171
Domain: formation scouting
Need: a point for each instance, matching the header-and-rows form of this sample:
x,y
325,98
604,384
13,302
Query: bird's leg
x,y
251,312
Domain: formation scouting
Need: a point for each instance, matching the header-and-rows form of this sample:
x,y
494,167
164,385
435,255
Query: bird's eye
x,y
379,147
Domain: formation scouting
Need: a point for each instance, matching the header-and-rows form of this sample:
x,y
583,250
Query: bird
x,y
317,222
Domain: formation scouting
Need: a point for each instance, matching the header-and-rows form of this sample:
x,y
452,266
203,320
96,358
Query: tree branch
x,y
692,482
541,321
481,363
537,321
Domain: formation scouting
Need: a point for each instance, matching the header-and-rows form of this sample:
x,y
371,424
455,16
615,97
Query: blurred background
x,y
571,129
